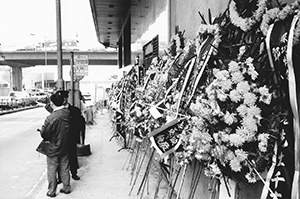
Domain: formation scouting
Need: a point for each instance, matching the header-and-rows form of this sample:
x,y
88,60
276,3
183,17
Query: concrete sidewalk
x,y
103,173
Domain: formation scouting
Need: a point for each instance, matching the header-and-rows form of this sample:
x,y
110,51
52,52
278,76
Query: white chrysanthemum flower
x,y
195,135
221,95
241,155
217,138
242,110
222,75
249,136
237,77
207,28
224,136
164,77
243,87
210,91
218,151
263,137
242,51
236,140
154,61
198,156
242,131
206,138
198,122
212,170
265,97
165,58
254,111
251,177
252,72
262,147
201,109
235,165
229,118
250,123
233,67
263,90
249,61
229,155
263,142
215,169
215,71
226,85
249,99
235,96
195,107
190,148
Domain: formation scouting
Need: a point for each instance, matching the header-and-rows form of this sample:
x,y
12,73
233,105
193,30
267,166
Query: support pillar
x,y
120,52
127,42
17,78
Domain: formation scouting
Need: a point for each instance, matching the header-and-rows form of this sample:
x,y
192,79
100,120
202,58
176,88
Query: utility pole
x,y
45,79
60,81
72,100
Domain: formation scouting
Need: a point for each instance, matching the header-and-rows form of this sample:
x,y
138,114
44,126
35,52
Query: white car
x,y
7,102
40,97
22,97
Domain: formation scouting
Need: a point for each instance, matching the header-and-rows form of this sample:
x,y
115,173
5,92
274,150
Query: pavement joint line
x,y
36,188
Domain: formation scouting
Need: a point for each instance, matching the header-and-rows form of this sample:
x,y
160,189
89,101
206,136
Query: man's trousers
x,y
58,165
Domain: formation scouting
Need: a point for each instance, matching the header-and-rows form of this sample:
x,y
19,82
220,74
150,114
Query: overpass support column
x,y
17,78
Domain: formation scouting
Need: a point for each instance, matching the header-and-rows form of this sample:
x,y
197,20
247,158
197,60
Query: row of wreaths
x,y
228,98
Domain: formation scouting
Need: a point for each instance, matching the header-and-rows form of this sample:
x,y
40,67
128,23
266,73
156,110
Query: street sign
x,y
81,63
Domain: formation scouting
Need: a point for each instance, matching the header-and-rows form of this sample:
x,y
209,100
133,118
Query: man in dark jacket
x,y
77,124
56,130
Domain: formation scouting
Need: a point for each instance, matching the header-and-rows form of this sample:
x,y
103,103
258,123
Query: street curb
x,y
18,109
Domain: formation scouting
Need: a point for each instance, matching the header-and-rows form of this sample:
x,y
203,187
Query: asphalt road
x,y
22,169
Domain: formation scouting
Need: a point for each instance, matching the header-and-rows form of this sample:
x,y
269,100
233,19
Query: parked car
x,y
40,97
22,97
7,102
34,91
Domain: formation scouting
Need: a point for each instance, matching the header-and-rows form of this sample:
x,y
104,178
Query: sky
x,y
27,22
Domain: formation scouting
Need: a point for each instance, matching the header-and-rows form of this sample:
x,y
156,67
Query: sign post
x,y
81,63
79,69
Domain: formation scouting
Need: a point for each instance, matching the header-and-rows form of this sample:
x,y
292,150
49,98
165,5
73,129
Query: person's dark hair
x,y
57,99
65,94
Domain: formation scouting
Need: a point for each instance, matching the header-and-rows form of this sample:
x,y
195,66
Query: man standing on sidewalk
x,y
77,124
56,130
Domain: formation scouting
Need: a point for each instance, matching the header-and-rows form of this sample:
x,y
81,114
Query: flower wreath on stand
x,y
239,110
235,101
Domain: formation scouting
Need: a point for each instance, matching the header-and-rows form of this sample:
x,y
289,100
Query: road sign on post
x,y
81,63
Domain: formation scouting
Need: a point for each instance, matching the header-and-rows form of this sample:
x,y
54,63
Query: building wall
x,y
185,14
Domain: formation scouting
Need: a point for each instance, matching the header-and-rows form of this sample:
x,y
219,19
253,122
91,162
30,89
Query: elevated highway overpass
x,y
21,59
33,58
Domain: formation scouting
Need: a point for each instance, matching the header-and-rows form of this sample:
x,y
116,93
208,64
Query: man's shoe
x,y
75,177
64,191
51,195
